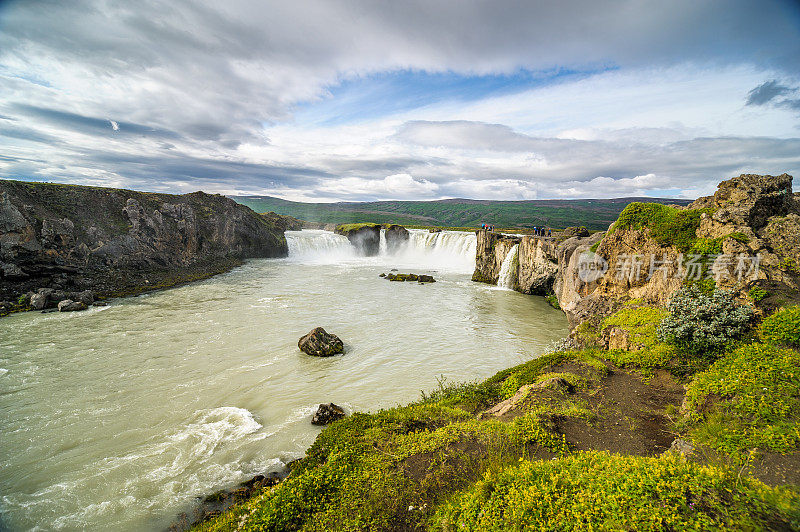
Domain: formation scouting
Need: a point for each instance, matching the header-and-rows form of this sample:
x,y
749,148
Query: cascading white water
x,y
318,246
450,250
383,250
508,270
454,250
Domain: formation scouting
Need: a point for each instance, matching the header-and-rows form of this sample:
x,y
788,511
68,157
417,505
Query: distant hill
x,y
595,214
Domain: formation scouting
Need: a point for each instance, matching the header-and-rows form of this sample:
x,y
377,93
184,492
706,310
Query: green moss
x,y
639,322
667,225
739,237
599,491
587,333
347,228
552,300
748,399
757,293
788,265
783,327
706,246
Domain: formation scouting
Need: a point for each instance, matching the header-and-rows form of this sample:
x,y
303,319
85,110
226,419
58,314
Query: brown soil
x,y
777,469
631,415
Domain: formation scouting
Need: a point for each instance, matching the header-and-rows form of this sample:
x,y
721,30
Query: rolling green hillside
x,y
595,214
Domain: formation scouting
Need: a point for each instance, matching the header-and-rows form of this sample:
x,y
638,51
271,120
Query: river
x,y
121,417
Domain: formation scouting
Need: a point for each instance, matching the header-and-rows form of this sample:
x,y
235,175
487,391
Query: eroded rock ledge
x,y
749,215
117,242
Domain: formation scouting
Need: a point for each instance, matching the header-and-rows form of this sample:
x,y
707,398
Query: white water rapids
x,y
121,417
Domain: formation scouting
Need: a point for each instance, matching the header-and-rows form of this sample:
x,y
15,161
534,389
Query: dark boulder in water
x,y
319,343
327,413
402,277
68,305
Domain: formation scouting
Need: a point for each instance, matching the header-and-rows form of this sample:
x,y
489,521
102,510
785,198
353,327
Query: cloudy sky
x,y
359,100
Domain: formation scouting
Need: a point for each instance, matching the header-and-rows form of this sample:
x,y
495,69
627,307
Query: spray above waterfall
x,y
445,250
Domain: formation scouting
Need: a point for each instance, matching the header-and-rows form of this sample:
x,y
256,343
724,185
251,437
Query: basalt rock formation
x,y
396,237
320,343
327,413
366,238
751,225
538,261
116,242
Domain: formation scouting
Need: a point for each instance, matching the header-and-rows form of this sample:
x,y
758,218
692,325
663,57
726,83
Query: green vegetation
x,y
667,225
459,213
783,327
645,353
788,265
346,228
600,491
748,399
739,237
757,293
552,300
700,324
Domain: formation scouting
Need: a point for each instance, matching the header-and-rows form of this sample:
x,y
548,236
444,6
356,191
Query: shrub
x,y
783,327
600,491
700,323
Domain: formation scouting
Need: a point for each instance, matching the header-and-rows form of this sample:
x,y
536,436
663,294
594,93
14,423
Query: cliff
x,y
365,237
746,235
114,241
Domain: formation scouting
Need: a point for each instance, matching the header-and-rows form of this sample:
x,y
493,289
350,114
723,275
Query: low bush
x,y
783,327
600,491
701,324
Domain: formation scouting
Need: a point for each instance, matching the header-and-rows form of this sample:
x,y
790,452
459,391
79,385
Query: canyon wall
x,y
113,241
746,235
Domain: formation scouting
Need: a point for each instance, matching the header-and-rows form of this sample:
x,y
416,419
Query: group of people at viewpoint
x,y
537,231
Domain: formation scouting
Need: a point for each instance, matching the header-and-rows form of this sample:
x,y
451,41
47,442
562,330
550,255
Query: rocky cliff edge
x,y
115,242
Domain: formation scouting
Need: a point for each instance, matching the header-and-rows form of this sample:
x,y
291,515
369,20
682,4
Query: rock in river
x,y
69,305
320,344
327,413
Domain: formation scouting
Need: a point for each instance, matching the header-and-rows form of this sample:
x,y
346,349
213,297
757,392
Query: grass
x,y
599,491
667,225
748,399
347,228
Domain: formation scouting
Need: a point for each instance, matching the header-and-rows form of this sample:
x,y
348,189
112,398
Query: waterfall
x,y
446,250
318,246
382,248
508,270
453,250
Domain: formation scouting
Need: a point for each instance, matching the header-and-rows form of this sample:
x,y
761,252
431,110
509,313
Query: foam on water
x,y
178,466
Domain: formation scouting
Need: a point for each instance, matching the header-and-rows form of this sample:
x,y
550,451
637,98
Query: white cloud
x,y
203,96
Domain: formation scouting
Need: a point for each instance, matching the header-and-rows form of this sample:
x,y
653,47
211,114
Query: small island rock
x,y
327,413
319,343
68,305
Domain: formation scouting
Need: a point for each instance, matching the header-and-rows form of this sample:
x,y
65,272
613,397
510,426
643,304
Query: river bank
x,y
652,417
